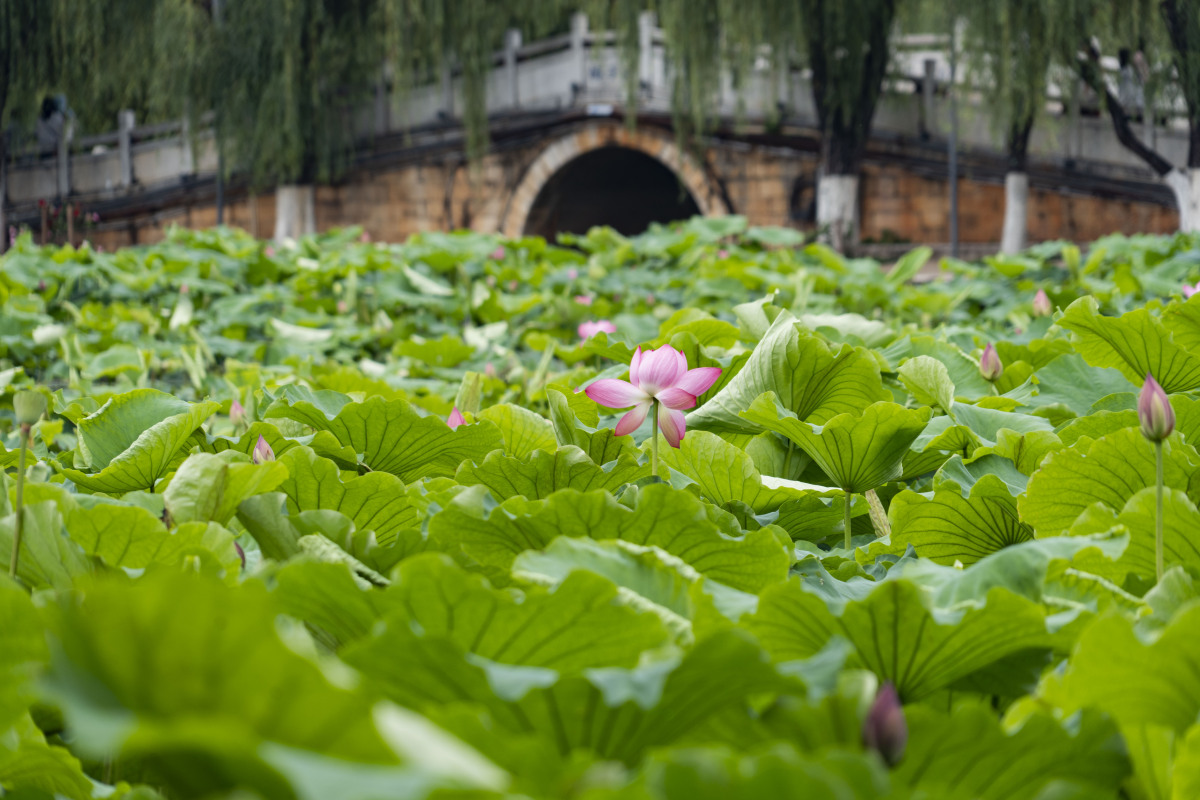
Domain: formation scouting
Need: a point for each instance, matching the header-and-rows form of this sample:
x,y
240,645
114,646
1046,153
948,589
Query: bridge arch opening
x,y
610,185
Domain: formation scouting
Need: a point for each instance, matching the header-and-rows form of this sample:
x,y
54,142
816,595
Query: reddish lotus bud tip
x,y
455,419
262,451
1155,414
237,413
989,363
1041,304
885,730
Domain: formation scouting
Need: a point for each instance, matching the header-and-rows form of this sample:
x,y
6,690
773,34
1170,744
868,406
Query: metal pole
x,y
952,144
216,12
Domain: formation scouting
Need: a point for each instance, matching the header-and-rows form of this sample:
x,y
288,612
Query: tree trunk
x,y
1016,212
3,194
295,212
837,210
1185,184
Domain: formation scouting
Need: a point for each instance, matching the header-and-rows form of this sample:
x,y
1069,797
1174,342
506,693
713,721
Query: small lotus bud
x,y
455,419
1041,304
262,451
342,306
237,414
498,254
489,369
29,407
183,288
884,729
269,251
41,286
1155,414
572,274
512,286
989,364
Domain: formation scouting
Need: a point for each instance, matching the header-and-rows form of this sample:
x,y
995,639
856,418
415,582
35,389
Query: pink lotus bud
x,y
1041,304
342,306
512,286
583,299
364,237
41,286
489,369
237,414
884,729
269,251
572,274
650,299
183,288
95,216
1188,291
1155,414
989,364
262,451
587,330
722,254
498,254
455,419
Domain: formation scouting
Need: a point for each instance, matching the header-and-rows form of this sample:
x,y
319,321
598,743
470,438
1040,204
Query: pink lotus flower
x,y
237,413
1041,304
583,299
657,377
572,273
1188,291
989,363
498,254
589,329
455,419
1155,414
262,451
269,251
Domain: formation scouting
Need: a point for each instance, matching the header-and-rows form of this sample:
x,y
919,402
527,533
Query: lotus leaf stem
x,y
846,519
18,529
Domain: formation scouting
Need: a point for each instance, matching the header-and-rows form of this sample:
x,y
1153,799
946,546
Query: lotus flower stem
x,y
1158,519
654,441
846,519
19,527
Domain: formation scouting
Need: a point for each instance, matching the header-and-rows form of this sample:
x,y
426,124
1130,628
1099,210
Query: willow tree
x,y
26,71
1009,43
1166,34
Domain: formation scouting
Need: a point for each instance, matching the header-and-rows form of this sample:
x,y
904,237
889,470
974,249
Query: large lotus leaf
x,y
112,429
649,578
1109,470
22,650
328,596
926,626
1069,381
29,767
139,463
1136,343
218,643
209,488
323,443
723,472
949,527
375,502
779,772
1181,529
961,369
989,423
120,535
1138,683
928,381
523,431
969,753
545,472
47,557
392,437
673,520
812,381
858,452
1183,321
574,425
964,474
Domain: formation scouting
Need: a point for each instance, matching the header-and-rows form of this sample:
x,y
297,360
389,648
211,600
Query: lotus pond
x,y
342,520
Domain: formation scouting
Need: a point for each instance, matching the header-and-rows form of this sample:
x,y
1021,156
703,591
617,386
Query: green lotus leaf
x,y
391,436
209,488
962,370
1136,343
949,527
29,765
857,452
723,472
575,417
1181,521
375,502
523,430
120,535
989,423
131,442
22,650
812,381
676,521
1182,319
544,473
1109,470
47,557
928,381
117,647
1069,381
992,762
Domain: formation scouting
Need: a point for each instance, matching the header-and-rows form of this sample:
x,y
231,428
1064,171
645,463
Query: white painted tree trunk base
x,y
837,210
1186,186
295,211
1016,213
